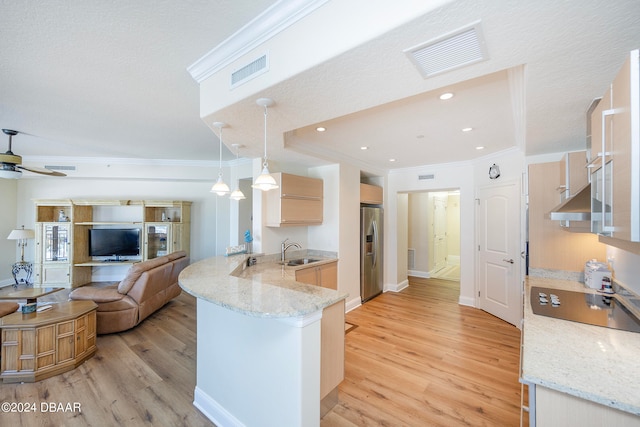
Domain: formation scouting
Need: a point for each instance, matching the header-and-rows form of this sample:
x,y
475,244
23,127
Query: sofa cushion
x,y
136,270
175,255
90,293
8,308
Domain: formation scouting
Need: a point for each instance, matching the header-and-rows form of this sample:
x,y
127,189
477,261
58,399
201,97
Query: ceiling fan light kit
x,y
11,164
265,181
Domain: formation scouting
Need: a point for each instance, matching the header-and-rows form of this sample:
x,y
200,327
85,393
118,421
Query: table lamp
x,y
21,235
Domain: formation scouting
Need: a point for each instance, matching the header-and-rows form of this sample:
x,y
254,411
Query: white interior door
x,y
499,285
439,233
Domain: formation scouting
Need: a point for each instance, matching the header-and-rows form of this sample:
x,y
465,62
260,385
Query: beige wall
x,y
453,228
551,247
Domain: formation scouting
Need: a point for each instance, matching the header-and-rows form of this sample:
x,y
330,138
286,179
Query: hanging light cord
x,y
265,137
220,159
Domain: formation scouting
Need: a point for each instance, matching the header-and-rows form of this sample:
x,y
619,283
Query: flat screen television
x,y
114,242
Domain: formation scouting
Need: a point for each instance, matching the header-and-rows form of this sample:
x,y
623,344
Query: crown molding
x,y
70,160
268,24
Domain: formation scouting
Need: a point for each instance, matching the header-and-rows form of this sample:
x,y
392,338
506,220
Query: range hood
x,y
576,208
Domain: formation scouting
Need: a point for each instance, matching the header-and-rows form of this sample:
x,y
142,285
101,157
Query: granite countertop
x,y
591,362
267,289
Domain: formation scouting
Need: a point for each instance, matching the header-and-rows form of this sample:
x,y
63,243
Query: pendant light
x,y
237,194
265,181
220,188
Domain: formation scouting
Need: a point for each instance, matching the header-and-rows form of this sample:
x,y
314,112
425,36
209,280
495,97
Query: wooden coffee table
x,y
31,294
42,344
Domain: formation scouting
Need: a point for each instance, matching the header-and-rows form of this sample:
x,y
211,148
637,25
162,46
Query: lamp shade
x,y
237,195
220,188
21,233
265,181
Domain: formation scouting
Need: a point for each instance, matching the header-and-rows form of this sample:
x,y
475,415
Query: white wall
x,y
465,176
209,214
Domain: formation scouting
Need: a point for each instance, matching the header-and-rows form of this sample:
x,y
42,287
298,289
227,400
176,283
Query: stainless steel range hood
x,y
577,208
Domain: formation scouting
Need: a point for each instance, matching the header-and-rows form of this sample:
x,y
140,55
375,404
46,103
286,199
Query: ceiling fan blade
x,y
42,171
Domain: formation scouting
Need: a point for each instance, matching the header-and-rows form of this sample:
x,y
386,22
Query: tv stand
x,y
62,249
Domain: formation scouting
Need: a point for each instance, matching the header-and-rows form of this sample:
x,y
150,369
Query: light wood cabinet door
x,y
555,409
300,186
371,194
307,275
331,348
622,154
297,202
596,129
46,347
325,275
65,341
329,275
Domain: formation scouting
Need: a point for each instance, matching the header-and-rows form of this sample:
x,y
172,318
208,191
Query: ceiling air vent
x,y
60,168
423,177
462,47
249,71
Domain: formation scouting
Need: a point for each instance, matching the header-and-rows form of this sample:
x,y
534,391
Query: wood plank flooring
x,y
416,358
144,376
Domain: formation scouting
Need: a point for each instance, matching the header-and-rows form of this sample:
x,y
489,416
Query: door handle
x,y
510,260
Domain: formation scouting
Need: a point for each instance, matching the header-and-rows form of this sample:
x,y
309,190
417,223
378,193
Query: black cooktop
x,y
593,309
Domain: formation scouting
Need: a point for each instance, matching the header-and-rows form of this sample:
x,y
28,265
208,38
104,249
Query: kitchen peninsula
x,y
262,338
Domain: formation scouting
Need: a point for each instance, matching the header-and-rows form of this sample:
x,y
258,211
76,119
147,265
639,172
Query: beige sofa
x,y
147,287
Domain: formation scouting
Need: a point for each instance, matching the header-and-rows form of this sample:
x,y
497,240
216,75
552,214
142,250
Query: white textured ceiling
x,y
95,78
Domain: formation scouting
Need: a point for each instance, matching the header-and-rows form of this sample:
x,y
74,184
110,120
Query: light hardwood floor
x,y
416,358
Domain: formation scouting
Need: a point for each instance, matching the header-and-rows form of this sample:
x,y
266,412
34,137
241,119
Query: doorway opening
x,y
433,240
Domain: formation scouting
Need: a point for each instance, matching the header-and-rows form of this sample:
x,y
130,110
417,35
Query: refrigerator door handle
x,y
375,243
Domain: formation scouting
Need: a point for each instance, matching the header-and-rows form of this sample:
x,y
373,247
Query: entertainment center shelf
x,y
106,263
63,227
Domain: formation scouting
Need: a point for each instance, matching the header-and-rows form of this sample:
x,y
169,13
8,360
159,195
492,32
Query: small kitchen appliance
x,y
595,272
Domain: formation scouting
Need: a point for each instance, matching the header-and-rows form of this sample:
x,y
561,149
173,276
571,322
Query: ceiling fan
x,y
11,164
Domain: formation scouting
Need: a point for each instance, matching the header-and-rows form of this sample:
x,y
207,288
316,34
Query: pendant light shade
x,y
265,181
220,188
237,194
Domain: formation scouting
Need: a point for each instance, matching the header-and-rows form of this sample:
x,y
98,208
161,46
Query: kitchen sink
x,y
301,261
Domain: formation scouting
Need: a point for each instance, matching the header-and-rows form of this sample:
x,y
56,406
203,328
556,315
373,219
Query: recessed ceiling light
x,y
364,148
446,95
467,129
392,160
321,128
480,147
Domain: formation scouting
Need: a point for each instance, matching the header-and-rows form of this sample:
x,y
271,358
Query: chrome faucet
x,y
284,246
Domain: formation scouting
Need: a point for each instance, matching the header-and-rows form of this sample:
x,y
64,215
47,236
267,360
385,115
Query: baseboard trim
x,y
397,287
353,304
417,273
471,302
213,410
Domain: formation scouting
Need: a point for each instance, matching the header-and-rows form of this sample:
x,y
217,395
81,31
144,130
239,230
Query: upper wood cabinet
x,y
616,140
298,201
370,194
574,174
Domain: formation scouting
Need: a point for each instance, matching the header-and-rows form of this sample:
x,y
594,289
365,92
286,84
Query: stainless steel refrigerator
x,y
370,252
